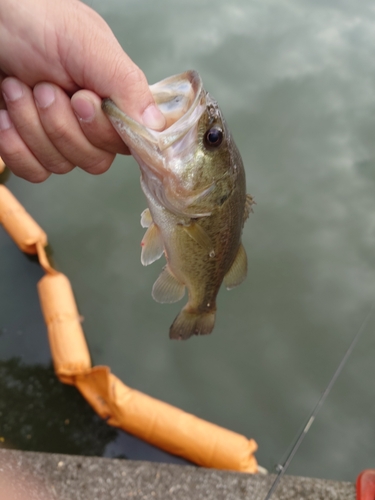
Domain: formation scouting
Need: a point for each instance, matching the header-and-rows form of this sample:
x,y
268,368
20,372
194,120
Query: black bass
x,y
194,182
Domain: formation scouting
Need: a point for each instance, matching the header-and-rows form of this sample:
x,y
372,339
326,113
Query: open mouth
x,y
181,99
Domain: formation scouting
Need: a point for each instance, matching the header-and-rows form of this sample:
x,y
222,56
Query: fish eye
x,y
213,137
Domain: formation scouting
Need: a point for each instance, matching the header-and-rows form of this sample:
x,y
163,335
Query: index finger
x,y
94,124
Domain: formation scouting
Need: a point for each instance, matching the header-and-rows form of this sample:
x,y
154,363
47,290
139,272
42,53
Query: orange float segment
x,y
166,426
179,432
21,227
67,340
366,485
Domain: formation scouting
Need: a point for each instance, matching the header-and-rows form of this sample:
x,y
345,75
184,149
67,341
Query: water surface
x,y
296,82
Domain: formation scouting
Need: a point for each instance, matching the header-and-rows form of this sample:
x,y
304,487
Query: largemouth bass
x,y
194,181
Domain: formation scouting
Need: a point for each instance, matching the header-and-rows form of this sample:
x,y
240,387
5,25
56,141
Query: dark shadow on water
x,y
39,413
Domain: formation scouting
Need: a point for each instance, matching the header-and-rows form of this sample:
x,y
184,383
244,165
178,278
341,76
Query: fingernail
x,y
5,121
84,109
153,118
44,95
12,89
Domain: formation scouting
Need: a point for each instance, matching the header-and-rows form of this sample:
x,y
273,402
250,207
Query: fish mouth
x,y
181,99
161,154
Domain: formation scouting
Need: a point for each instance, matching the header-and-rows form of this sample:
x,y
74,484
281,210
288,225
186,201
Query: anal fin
x,y
238,271
152,245
167,289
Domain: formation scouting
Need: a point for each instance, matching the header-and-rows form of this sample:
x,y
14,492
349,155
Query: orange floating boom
x,y
154,421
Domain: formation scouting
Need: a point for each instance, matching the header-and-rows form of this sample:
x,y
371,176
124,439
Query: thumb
x,y
129,89
98,63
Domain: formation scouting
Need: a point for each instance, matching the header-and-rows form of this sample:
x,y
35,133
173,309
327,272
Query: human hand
x,y
50,51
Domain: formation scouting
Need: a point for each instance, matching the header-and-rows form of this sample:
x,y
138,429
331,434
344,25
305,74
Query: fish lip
x,y
122,120
165,138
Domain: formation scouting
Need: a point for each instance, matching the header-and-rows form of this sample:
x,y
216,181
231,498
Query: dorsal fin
x,y
237,272
248,207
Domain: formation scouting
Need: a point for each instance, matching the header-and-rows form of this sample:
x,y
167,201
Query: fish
x,y
194,181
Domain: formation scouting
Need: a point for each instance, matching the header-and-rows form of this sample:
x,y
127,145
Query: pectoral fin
x,y
237,273
152,245
146,218
179,200
167,289
198,234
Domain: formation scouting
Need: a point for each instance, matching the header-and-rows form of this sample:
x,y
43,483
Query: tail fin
x,y
188,323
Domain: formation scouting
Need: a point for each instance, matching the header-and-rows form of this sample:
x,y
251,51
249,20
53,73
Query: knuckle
x,y
24,166
100,166
12,157
26,129
58,167
134,77
36,177
36,174
58,133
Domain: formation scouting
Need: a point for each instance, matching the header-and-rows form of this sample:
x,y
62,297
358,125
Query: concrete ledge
x,y
45,476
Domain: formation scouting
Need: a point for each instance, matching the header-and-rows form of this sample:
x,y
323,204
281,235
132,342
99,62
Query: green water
x,y
296,82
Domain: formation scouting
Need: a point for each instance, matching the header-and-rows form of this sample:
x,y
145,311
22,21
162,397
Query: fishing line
x,y
281,468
